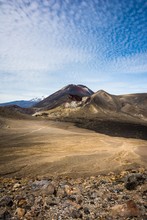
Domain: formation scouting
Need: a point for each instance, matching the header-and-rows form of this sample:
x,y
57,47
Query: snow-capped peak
x,y
37,99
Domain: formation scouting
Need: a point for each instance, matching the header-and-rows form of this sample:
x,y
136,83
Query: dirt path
x,y
30,148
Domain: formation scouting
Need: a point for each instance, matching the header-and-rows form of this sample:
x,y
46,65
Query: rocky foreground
x,y
113,196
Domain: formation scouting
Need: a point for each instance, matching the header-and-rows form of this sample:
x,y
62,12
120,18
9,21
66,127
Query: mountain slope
x,y
122,116
135,104
99,104
131,104
22,103
104,100
67,94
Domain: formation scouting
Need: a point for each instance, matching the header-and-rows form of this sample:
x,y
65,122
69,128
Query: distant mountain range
x,y
23,103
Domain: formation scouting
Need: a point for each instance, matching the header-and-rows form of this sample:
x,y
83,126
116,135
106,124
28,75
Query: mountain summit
x,y
66,94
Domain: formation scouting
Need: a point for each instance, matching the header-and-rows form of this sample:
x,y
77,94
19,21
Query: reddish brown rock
x,y
132,209
22,202
129,209
20,212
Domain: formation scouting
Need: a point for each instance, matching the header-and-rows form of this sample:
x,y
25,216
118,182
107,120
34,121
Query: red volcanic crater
x,y
66,94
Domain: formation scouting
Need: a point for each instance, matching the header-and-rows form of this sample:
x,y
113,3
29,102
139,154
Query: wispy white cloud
x,y
49,43
54,59
134,64
32,40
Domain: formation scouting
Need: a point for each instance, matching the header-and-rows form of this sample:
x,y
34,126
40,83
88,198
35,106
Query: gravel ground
x,y
119,196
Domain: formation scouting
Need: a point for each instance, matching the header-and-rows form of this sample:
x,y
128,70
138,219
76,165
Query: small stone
x,y
49,201
129,209
79,199
117,210
93,195
16,186
92,202
86,211
132,208
38,200
50,189
20,212
60,193
133,180
71,190
2,210
40,184
5,215
6,201
10,203
30,199
123,173
67,189
28,215
22,203
76,214
87,218
72,198
74,204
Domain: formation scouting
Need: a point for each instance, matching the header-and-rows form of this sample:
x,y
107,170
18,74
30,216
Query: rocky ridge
x,y
113,196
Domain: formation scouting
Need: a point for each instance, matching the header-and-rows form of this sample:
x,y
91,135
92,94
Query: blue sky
x,y
47,44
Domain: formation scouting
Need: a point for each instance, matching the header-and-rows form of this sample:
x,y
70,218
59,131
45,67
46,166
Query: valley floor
x,y
37,148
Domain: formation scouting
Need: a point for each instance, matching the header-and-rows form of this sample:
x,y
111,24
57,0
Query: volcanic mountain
x,y
115,115
85,103
67,94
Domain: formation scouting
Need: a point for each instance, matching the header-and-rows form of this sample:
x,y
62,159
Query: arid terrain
x,y
75,155
55,170
43,147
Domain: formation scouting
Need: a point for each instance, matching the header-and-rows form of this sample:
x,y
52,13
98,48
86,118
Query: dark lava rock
x,y
86,211
133,180
72,198
76,214
51,201
6,201
5,215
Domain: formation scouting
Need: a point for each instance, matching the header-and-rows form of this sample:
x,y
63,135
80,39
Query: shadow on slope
x,y
112,127
117,129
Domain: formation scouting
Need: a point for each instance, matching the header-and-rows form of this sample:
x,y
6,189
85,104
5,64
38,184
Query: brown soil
x,y
36,148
